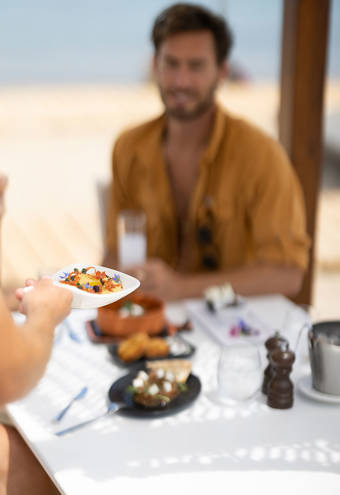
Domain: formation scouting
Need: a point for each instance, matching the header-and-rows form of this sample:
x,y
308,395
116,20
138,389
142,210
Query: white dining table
x,y
245,447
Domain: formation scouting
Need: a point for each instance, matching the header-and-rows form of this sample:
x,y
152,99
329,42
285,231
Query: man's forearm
x,y
247,281
25,357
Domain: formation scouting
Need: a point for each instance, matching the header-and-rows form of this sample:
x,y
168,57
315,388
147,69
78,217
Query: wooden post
x,y
303,67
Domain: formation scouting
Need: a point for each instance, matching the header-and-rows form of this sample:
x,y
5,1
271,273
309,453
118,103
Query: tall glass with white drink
x,y
131,230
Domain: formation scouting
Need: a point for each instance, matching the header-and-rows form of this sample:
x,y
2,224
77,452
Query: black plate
x,y
141,362
118,393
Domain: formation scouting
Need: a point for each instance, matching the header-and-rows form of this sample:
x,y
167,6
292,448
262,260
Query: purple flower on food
x,y
116,278
234,331
243,324
87,286
65,275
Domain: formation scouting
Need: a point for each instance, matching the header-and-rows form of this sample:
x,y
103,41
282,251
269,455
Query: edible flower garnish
x,y
243,329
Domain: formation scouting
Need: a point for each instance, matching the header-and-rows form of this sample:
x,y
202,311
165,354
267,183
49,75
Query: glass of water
x,y
239,375
131,232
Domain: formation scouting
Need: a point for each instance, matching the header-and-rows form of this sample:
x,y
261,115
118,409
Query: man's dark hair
x,y
184,17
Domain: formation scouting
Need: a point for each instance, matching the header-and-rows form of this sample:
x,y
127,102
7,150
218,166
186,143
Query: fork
x,y
70,332
112,408
62,413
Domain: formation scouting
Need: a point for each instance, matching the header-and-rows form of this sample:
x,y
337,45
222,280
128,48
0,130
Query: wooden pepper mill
x,y
274,342
280,388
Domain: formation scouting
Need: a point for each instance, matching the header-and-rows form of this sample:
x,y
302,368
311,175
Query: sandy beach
x,y
55,145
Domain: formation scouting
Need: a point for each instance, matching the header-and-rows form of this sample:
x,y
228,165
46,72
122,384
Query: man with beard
x,y
221,199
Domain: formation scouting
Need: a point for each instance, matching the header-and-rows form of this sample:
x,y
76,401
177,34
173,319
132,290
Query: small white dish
x,y
306,388
87,300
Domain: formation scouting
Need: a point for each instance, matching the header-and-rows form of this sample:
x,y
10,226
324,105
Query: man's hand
x,y
45,301
158,279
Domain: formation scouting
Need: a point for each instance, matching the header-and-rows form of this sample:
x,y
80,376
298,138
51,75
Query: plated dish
x,y
91,299
306,388
160,389
134,352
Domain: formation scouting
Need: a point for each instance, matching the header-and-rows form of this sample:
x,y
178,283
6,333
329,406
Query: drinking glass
x,y
305,317
239,375
131,230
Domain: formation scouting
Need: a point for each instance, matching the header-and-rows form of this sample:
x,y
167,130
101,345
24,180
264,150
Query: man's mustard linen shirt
x,y
254,196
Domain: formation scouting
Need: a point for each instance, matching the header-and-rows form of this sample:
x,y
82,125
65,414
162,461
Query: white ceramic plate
x,y
87,300
305,387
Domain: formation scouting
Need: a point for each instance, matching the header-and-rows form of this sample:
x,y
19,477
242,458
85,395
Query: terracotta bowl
x,y
151,322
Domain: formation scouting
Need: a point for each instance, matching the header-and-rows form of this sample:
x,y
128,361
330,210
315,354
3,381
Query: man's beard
x,y
180,113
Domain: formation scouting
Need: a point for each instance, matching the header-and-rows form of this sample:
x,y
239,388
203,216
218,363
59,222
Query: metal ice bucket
x,y
324,353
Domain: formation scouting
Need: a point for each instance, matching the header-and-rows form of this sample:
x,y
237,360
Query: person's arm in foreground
x,y
3,186
160,280
8,292
25,349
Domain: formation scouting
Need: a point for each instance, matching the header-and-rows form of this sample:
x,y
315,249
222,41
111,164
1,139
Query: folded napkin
x,y
254,320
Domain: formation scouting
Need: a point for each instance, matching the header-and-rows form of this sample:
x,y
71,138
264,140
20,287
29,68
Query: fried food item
x,y
133,348
140,345
157,347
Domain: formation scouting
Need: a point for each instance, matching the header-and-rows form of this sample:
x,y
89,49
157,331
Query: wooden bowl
x,y
152,322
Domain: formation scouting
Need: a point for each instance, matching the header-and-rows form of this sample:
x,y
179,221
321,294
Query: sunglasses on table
x,y
205,240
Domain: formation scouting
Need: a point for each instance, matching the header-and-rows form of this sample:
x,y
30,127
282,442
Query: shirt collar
x,y
216,136
150,147
152,143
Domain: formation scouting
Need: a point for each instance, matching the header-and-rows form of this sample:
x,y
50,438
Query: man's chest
x,y
183,175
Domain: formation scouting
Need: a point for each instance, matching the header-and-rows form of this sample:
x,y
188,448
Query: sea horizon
x,y
80,42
